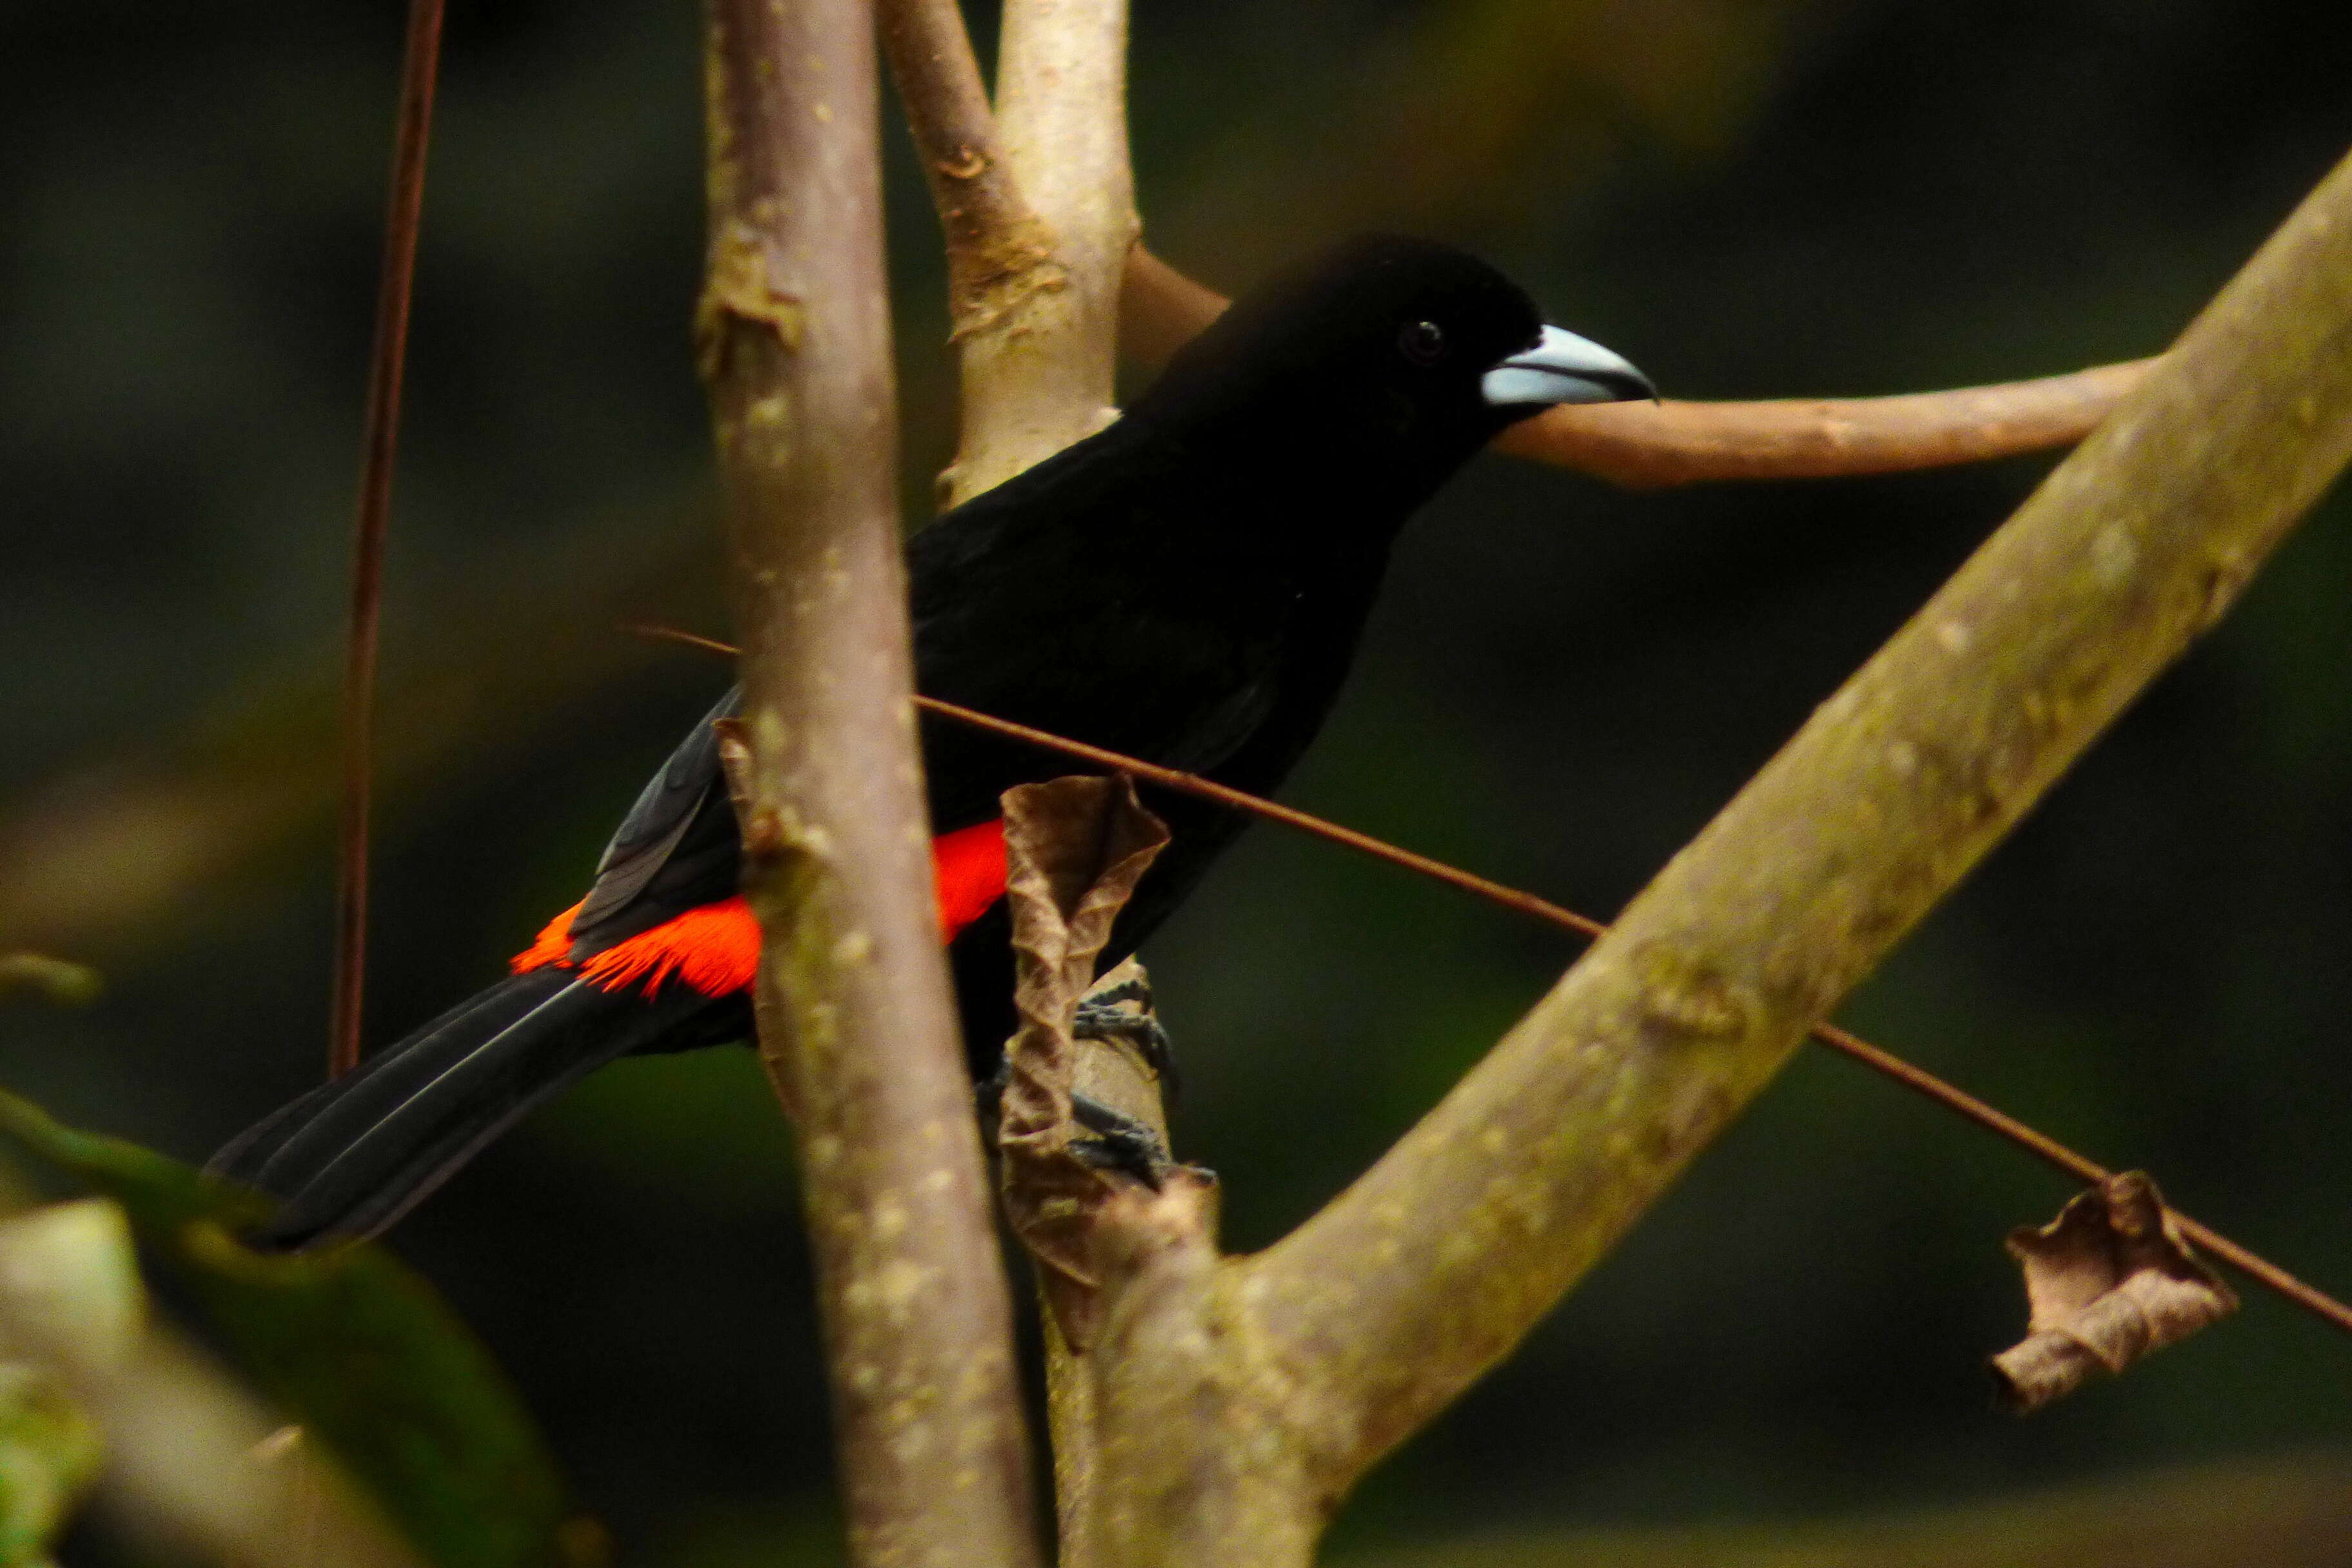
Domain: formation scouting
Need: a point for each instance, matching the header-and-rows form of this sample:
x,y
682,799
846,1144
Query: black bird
x,y
1188,587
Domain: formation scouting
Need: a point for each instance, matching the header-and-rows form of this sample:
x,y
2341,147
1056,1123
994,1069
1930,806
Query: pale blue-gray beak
x,y
1564,368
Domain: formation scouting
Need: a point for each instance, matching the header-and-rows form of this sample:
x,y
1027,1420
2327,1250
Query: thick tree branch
x,y
1885,1063
1038,216
856,1023
1434,1265
1643,445
1061,99
1000,254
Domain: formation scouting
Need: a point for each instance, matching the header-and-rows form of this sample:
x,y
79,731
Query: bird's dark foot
x,y
1102,1017
988,1099
1115,1140
1119,1142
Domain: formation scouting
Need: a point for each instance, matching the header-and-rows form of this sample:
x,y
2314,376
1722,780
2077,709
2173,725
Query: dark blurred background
x,y
1749,197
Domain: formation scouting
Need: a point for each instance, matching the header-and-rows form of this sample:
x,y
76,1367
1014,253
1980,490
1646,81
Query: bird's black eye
x,y
1422,342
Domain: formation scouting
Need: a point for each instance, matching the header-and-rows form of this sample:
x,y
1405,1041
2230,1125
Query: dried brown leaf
x,y
2107,1281
1074,849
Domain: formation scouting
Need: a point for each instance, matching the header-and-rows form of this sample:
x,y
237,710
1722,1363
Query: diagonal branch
x,y
856,1023
1432,1266
1885,1063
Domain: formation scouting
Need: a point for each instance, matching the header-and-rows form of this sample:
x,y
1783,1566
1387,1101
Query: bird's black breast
x,y
1131,604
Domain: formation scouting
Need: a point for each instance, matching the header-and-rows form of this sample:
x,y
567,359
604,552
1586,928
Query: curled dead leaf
x,y
1074,849
2107,1283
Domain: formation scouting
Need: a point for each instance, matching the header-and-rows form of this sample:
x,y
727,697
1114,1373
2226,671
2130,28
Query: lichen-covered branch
x,y
1385,1305
1647,445
856,1023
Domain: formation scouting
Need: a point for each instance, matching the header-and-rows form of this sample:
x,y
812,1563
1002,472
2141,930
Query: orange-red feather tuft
x,y
553,944
967,874
714,948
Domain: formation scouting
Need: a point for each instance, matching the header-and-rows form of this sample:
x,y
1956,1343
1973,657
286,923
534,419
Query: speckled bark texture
x,y
1431,1266
1234,1401
1225,1404
857,1021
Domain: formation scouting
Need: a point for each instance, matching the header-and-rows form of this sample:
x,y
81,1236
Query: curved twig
x,y
1645,446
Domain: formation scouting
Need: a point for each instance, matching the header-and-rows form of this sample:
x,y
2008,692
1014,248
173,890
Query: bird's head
x,y
1397,350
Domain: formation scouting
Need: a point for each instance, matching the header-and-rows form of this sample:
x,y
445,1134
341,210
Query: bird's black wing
x,y
676,848
1077,599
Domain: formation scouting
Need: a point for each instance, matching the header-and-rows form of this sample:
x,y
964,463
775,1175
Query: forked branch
x,y
1230,1402
1038,217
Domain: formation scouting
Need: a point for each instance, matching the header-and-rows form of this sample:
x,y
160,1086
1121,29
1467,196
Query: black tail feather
x,y
343,1107
353,1156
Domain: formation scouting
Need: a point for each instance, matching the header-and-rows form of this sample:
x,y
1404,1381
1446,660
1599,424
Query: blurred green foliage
x,y
352,1344
50,1455
1749,197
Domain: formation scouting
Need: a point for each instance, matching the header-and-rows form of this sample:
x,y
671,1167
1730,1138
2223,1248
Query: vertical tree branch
x,y
388,356
1061,104
1039,207
1035,296
856,1021
998,252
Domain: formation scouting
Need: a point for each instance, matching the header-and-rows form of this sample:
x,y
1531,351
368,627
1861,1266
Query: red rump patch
x,y
714,948
552,945
967,874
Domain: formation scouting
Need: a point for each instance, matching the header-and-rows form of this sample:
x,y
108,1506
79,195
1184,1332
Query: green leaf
x,y
356,1345
48,1456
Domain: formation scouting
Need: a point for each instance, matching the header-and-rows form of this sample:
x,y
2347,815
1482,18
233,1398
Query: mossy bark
x,y
857,1021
